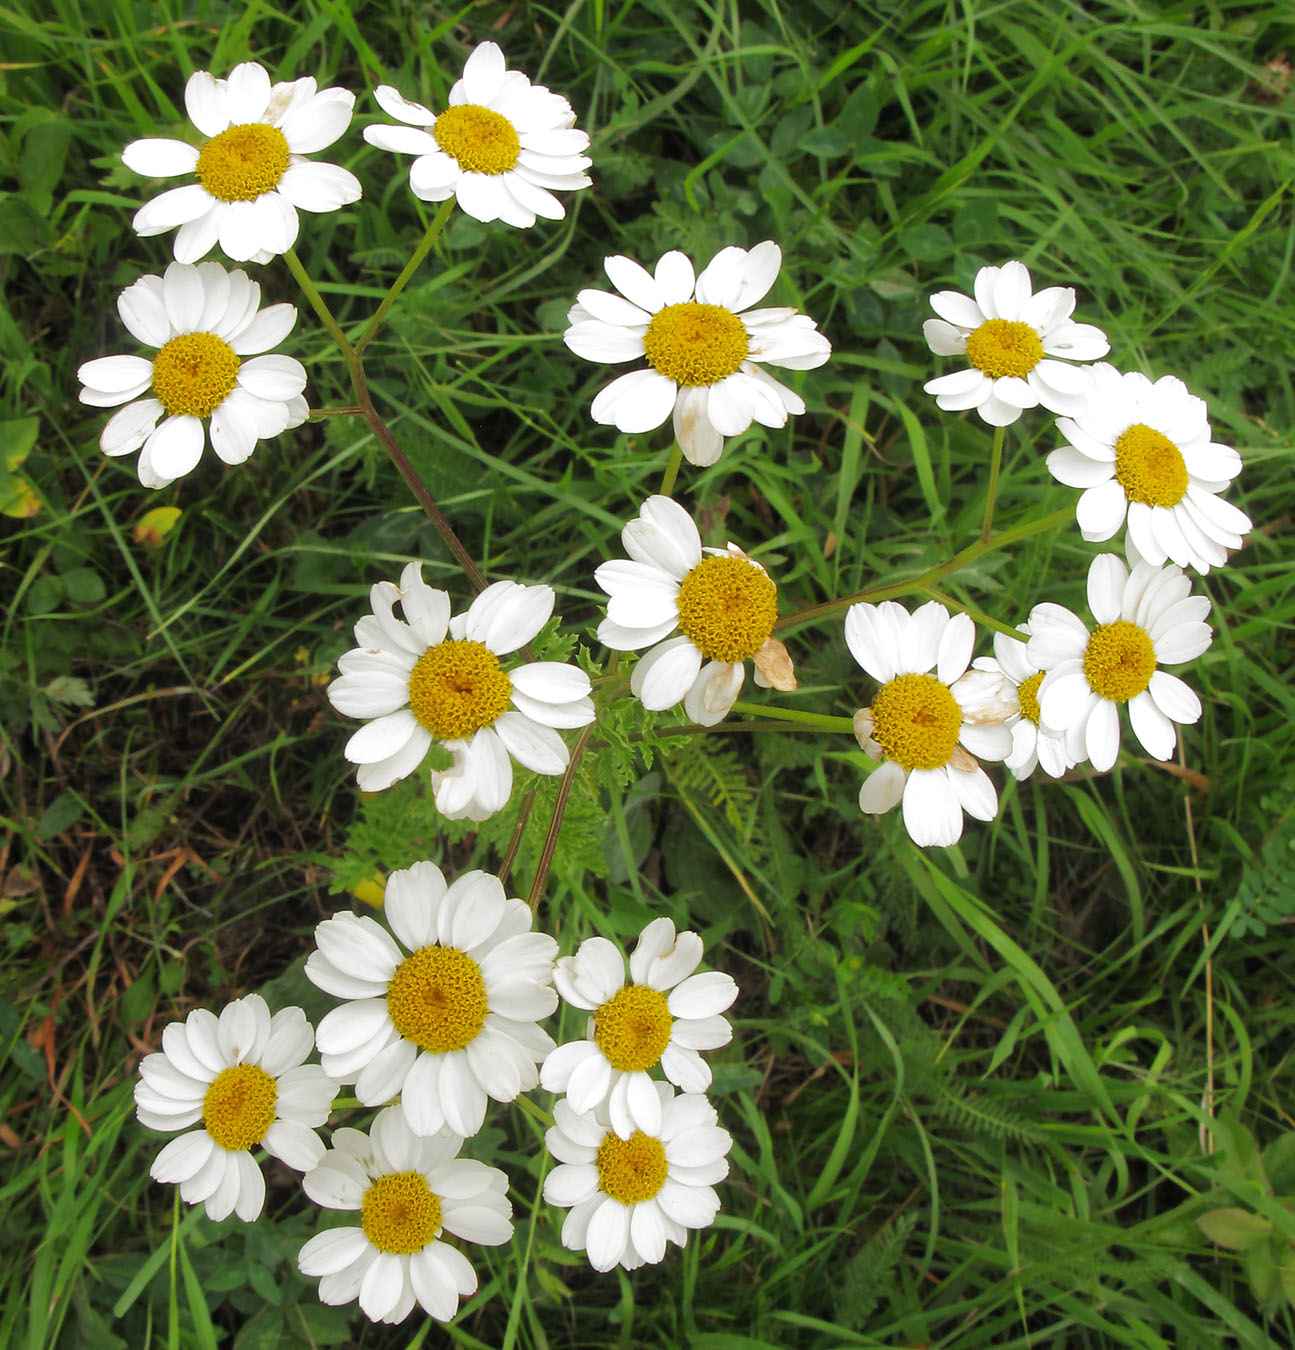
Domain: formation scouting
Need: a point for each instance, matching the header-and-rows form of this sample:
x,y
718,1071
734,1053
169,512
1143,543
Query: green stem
x,y
318,303
424,248
555,823
995,464
322,414
933,574
979,615
364,406
819,721
515,842
671,470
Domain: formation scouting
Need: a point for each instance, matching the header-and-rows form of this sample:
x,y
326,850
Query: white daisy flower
x,y
243,1078
928,728
1033,743
1144,450
629,1197
634,1027
501,148
445,1016
439,678
1008,336
1144,618
705,347
203,321
408,1192
252,179
724,604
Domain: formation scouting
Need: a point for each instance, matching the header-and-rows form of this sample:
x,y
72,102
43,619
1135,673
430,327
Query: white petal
x,y
664,676
1102,735
1106,579
932,810
1151,726
635,283
956,643
636,402
883,788
171,451
158,158
537,747
1174,698
316,186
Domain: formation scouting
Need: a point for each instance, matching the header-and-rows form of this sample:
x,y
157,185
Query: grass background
x,y
980,1095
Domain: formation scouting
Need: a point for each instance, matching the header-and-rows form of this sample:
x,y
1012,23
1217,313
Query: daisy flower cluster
x,y
1142,455
501,149
1139,450
637,1163
440,1003
439,1016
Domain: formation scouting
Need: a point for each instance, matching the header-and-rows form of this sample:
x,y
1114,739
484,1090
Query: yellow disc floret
x,y
1149,467
400,1214
1119,660
916,720
727,607
632,1028
437,999
240,164
1028,694
1004,347
194,374
631,1170
695,344
481,140
456,688
239,1107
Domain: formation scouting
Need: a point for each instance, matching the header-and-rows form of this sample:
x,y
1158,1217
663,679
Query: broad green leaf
x,y
1236,1229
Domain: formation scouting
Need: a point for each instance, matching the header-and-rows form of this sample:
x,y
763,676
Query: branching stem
x,y
555,825
932,575
364,400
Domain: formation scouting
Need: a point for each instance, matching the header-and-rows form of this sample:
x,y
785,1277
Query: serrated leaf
x,y
1236,1229
63,812
71,690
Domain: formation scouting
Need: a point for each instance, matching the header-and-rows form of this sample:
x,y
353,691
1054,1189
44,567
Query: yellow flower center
x,y
632,1028
1028,694
437,999
1119,660
482,141
727,607
1149,467
194,374
400,1214
243,162
694,344
239,1107
916,720
633,1169
1004,347
456,688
